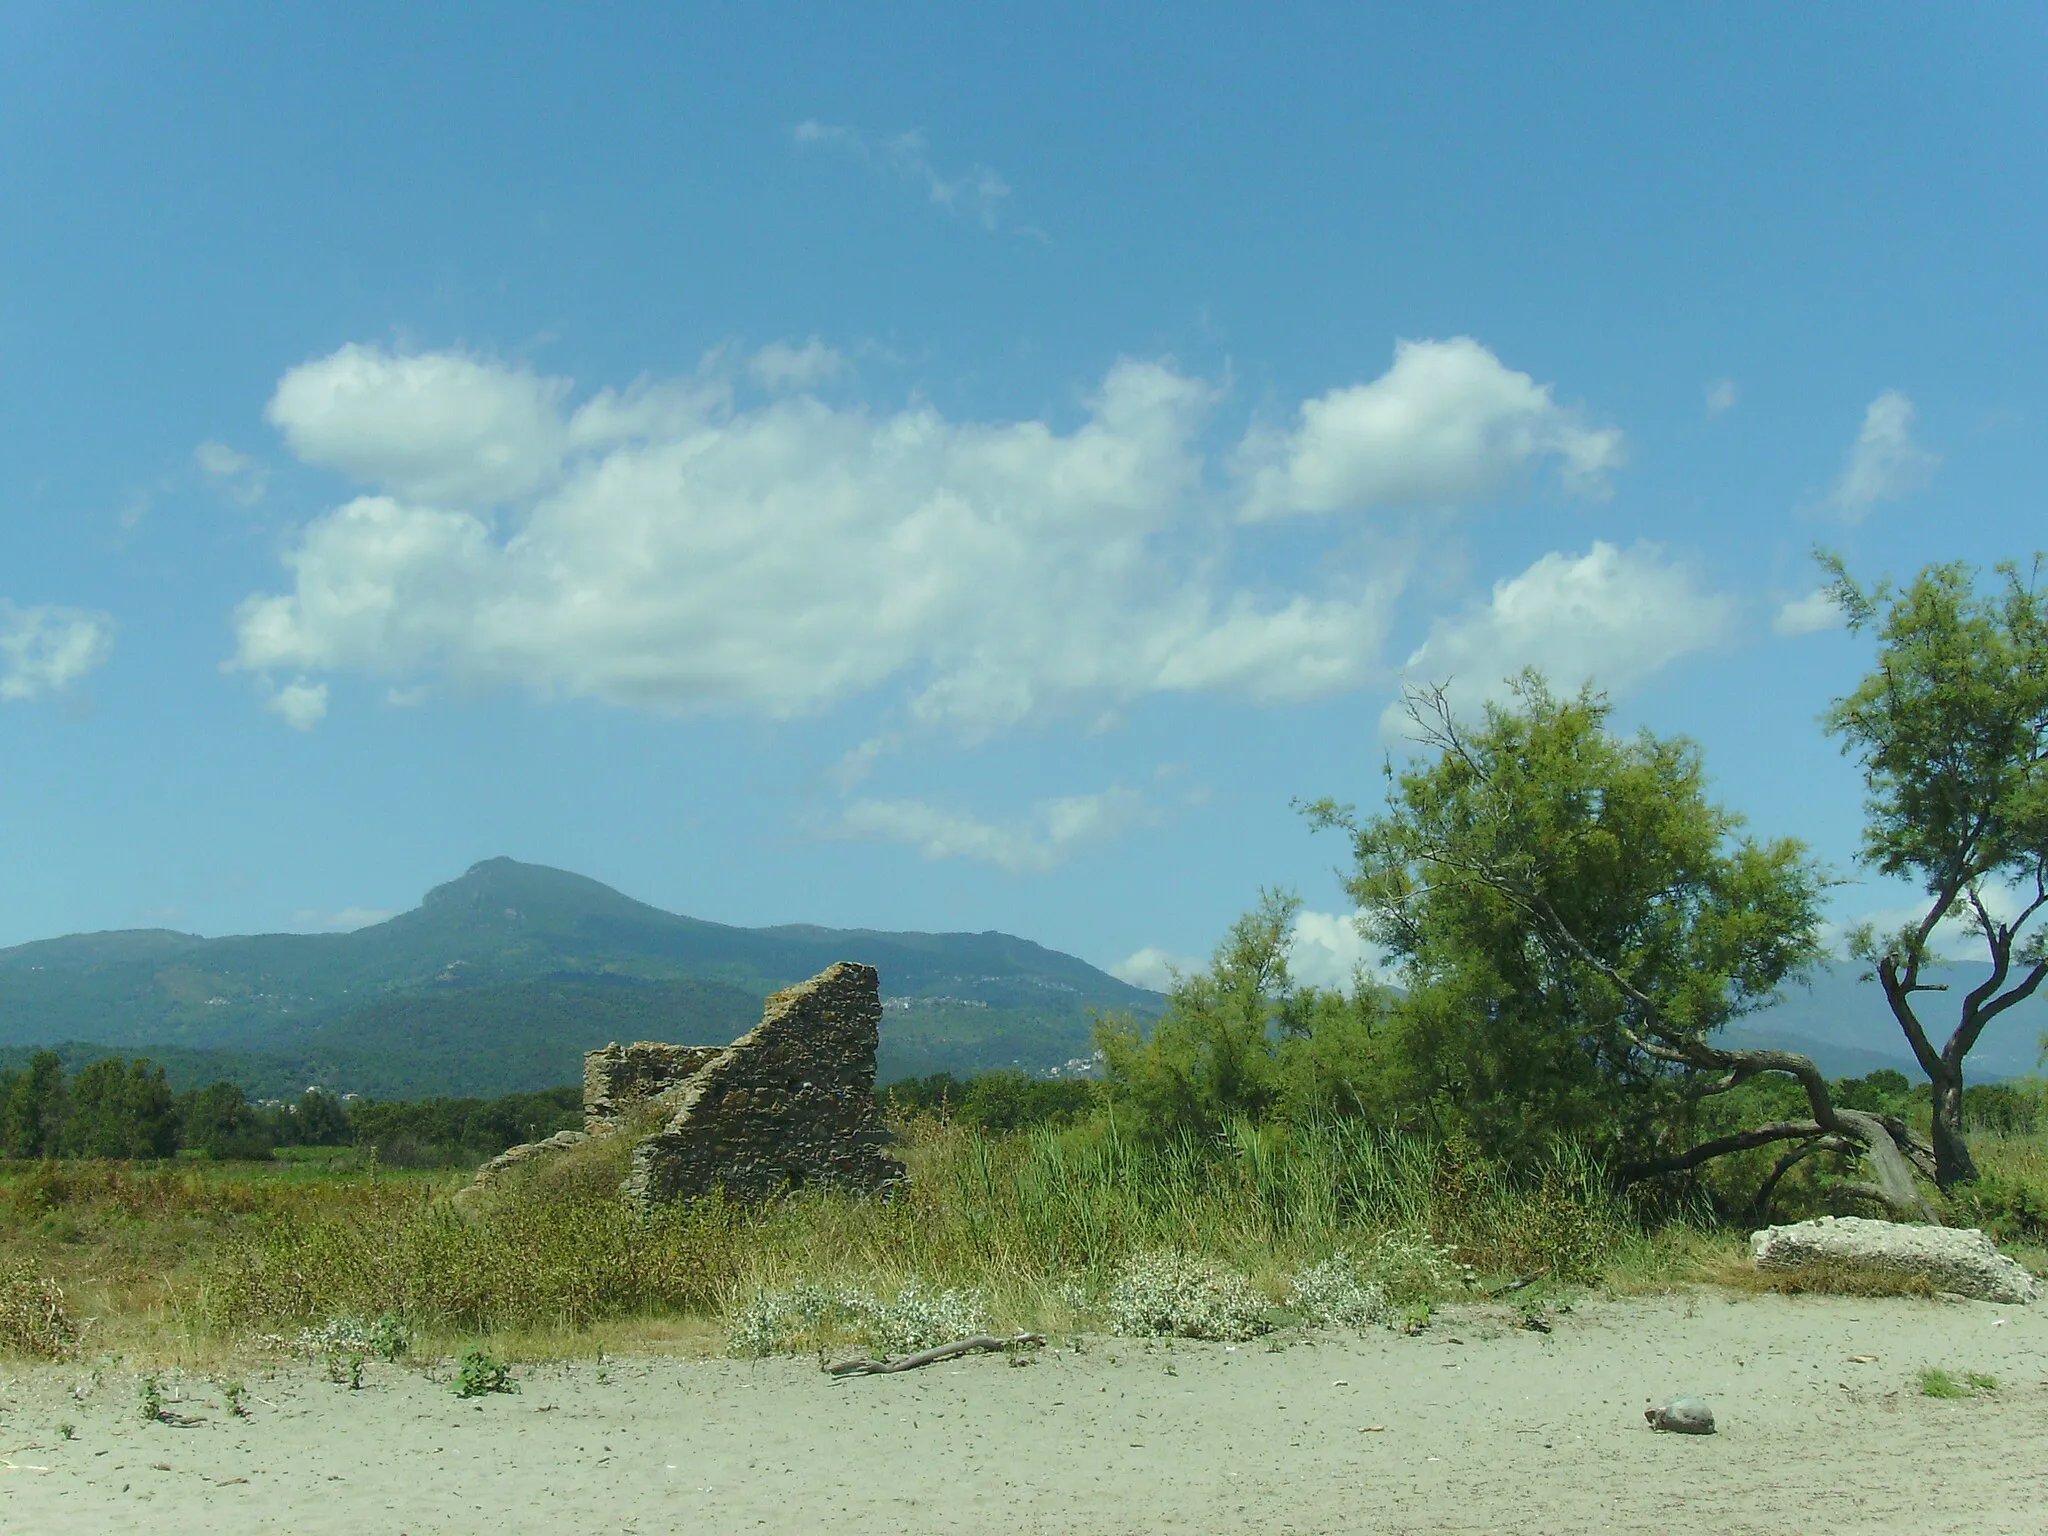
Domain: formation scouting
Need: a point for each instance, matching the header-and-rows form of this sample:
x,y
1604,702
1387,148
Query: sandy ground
x,y
1475,1426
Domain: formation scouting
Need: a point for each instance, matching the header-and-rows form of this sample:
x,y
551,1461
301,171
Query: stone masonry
x,y
620,1076
790,1103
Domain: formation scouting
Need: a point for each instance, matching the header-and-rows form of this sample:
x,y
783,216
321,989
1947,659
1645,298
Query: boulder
x,y
1958,1259
1682,1416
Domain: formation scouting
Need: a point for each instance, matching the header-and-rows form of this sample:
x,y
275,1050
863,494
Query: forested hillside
x,y
500,980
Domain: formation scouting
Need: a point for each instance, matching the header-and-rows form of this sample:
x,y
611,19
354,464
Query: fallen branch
x,y
979,1343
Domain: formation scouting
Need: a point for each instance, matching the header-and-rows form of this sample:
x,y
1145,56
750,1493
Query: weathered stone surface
x,y
1959,1259
1682,1416
618,1077
790,1103
512,1157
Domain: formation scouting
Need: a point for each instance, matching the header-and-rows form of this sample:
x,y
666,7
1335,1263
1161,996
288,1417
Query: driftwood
x,y
980,1342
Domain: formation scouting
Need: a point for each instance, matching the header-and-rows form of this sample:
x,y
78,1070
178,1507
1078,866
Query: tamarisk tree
x,y
1951,727
1574,920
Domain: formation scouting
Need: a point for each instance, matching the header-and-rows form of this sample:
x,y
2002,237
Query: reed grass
x,y
185,1263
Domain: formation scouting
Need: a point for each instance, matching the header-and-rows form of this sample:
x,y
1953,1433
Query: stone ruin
x,y
789,1103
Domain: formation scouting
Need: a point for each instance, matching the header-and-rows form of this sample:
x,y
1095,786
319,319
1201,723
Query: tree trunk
x,y
1952,1162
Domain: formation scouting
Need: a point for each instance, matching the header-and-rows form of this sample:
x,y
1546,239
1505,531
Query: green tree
x,y
1951,729
220,1122
1241,1038
33,1108
121,1109
1574,920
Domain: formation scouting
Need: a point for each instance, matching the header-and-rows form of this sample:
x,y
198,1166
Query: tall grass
x,y
1036,1223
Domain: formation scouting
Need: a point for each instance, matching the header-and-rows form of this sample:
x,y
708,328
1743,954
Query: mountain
x,y
1839,1017
499,981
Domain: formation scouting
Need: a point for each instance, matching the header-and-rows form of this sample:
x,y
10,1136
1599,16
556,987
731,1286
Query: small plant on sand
x,y
1937,1382
1412,1265
232,1393
346,1371
68,1431
384,1337
805,1316
481,1372
1338,1294
1174,1294
33,1319
149,1400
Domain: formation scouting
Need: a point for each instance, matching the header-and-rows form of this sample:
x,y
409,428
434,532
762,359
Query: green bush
x,y
482,1372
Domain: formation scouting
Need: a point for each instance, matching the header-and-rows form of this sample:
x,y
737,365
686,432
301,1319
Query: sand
x,y
1475,1426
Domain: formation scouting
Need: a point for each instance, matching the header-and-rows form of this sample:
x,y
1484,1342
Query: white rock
x,y
1959,1259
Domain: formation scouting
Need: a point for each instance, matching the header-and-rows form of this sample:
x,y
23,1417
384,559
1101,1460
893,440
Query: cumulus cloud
x,y
673,552
300,704
1041,841
1447,424
234,475
1327,950
1884,463
1153,968
45,649
433,427
1609,616
1808,615
780,366
977,193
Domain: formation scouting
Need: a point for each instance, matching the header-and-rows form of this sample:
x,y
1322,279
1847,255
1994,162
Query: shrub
x,y
33,1319
1337,1293
1167,1294
806,1316
482,1372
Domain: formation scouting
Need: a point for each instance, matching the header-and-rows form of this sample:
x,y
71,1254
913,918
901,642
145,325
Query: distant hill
x,y
1842,1021
500,980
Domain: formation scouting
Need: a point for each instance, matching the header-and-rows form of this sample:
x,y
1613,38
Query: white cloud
x,y
779,366
1327,950
1447,424
1808,615
1610,616
347,920
1041,841
45,649
1721,396
1953,938
300,704
432,427
235,475
978,192
1153,968
1324,950
1884,463
676,553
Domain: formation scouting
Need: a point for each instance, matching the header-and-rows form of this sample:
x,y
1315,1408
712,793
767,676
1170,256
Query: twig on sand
x,y
980,1342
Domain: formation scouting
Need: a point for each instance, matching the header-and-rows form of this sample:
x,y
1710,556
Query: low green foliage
x,y
480,1373
149,1399
1938,1382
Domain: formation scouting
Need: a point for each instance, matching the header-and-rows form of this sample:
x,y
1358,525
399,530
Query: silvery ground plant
x,y
806,1316
1339,1293
1175,1295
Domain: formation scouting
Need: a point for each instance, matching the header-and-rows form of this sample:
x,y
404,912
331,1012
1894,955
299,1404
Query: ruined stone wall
x,y
790,1103
620,1076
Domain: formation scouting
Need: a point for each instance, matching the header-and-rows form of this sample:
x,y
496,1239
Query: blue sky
x,y
956,467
